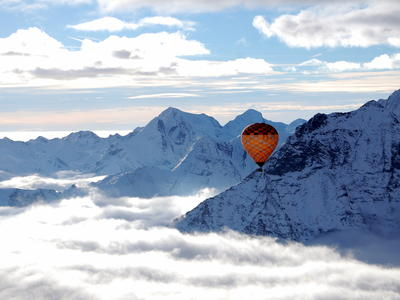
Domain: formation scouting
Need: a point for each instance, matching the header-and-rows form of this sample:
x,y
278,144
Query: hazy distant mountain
x,y
337,172
22,197
235,127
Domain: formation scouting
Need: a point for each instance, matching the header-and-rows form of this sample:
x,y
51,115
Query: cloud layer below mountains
x,y
103,248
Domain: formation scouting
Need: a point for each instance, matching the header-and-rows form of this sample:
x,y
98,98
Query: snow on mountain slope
x,y
337,172
162,143
210,164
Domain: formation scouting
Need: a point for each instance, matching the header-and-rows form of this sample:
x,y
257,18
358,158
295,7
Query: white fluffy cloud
x,y
362,24
382,62
113,24
104,248
30,57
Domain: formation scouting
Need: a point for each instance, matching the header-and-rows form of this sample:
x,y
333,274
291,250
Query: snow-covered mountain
x,y
162,143
214,160
337,172
177,153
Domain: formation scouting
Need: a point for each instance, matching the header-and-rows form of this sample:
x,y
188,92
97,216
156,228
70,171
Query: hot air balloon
x,y
259,140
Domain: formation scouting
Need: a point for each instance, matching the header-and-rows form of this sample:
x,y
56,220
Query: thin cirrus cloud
x,y
125,248
164,95
113,24
359,24
173,6
201,6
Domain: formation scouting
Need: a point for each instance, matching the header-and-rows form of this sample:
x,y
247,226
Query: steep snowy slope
x,y
339,171
209,164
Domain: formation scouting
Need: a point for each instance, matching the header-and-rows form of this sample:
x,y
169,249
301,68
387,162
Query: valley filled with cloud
x,y
97,247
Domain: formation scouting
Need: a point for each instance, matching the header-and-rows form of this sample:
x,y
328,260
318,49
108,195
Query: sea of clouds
x,y
96,247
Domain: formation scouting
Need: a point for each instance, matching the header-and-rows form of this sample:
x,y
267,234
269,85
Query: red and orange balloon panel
x,y
259,140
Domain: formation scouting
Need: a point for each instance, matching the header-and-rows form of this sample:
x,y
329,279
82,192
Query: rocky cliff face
x,y
337,172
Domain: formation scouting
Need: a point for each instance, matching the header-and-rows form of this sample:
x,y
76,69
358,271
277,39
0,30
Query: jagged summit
x,y
393,102
83,134
171,112
294,124
175,113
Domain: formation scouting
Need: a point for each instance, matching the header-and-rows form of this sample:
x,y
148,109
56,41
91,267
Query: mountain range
x,y
176,153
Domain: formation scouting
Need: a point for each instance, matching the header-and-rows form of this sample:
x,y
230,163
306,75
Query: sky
x,y
115,65
96,247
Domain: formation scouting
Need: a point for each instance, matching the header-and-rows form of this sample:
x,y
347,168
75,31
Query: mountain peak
x,y
393,102
251,114
171,112
313,124
236,126
81,134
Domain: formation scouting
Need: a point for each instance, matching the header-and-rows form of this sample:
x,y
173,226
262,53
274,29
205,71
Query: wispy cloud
x,y
27,6
113,24
201,6
126,117
164,95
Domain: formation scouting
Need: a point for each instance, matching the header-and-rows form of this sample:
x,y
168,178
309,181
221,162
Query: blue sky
x,y
101,64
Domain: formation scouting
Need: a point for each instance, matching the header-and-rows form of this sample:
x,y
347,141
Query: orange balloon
x,y
259,140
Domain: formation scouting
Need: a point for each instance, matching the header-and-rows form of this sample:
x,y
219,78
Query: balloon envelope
x,y
259,140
